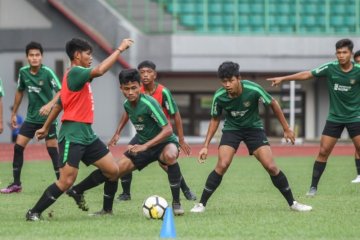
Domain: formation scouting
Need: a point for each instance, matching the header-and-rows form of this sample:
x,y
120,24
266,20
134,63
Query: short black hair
x,y
129,75
345,43
147,64
357,54
33,45
77,44
228,69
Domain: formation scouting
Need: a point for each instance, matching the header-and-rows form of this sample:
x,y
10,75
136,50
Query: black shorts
x,y
142,159
252,137
28,130
333,129
72,153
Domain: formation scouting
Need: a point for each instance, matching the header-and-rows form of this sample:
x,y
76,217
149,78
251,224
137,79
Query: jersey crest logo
x,y
247,104
140,119
352,81
41,82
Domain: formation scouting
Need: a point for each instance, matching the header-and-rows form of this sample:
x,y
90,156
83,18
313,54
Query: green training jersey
x,y
344,90
147,118
242,111
40,87
77,132
2,92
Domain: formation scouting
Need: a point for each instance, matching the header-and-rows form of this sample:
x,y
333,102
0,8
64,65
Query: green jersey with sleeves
x,y
2,92
242,111
344,91
147,118
40,87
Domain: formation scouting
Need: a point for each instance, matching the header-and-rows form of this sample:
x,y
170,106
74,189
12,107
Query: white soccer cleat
x,y
198,208
356,180
299,207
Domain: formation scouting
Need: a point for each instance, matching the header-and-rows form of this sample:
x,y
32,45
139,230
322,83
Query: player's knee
x,y
112,174
170,157
222,166
272,169
65,183
324,152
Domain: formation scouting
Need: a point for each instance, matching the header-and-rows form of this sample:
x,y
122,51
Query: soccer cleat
x,y
177,209
356,180
32,216
189,195
312,192
102,212
79,199
12,188
299,207
124,197
198,208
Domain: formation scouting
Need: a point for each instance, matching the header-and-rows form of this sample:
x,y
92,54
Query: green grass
x,y
245,206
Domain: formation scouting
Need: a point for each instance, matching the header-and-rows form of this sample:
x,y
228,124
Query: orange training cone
x,y
168,225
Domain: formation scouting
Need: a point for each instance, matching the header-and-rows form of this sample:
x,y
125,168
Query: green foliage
x,y
245,206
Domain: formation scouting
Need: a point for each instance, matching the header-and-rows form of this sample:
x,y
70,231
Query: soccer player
x,y
39,81
239,99
148,75
154,141
77,140
1,107
343,80
357,156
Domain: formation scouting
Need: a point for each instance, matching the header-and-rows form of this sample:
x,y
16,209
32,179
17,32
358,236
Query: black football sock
x,y
212,182
94,179
184,187
357,164
49,196
318,170
126,183
54,155
174,176
110,189
18,163
280,182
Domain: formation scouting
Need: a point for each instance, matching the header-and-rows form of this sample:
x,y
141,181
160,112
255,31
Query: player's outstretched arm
x,y
213,126
123,120
180,131
297,76
288,133
105,65
42,132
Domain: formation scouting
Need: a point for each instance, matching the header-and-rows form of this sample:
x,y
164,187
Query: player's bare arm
x,y
276,81
46,109
180,131
213,126
42,132
123,120
165,132
288,133
18,98
105,65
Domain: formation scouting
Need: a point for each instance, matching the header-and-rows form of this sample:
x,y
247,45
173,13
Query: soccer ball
x,y
154,207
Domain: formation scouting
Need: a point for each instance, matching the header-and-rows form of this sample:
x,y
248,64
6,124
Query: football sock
x,y
318,169
126,183
110,189
94,179
54,155
50,195
184,187
174,176
18,163
212,182
357,164
280,182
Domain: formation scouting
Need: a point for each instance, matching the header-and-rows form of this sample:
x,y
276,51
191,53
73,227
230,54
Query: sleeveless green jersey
x,y
147,118
2,92
40,87
344,91
242,111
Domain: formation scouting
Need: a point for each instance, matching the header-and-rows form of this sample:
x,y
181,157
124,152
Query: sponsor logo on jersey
x,y
34,89
341,88
247,104
139,127
238,113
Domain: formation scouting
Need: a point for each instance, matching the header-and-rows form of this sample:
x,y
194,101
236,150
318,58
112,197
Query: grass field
x,y
245,206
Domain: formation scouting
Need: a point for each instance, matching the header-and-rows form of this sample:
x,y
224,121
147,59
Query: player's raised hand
x,y
41,133
203,155
276,81
125,44
113,141
289,135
